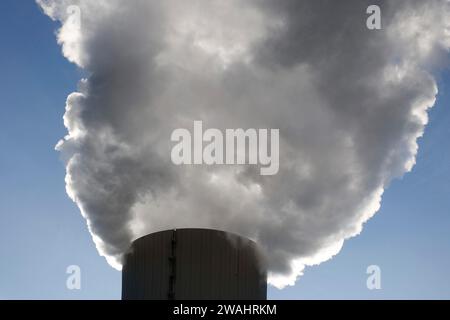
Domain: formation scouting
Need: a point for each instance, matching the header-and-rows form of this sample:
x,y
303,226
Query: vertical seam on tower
x,y
173,265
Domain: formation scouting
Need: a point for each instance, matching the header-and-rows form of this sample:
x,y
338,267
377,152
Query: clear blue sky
x,y
42,232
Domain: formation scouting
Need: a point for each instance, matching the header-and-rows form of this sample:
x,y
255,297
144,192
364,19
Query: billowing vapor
x,y
350,104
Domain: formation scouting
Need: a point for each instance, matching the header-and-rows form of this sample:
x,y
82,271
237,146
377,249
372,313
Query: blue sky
x,y
42,232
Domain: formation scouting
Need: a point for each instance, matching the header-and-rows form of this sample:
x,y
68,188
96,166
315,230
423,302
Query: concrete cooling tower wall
x,y
186,264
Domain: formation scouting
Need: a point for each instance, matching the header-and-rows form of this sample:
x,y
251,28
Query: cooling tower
x,y
186,264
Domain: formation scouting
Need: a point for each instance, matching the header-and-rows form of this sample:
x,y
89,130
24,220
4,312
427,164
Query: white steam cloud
x,y
350,104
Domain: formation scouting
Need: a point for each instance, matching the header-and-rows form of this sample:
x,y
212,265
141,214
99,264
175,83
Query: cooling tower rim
x,y
226,233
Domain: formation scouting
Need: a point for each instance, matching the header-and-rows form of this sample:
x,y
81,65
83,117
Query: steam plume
x,y
350,104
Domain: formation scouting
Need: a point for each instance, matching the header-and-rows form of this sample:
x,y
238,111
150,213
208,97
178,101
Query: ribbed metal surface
x,y
189,264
